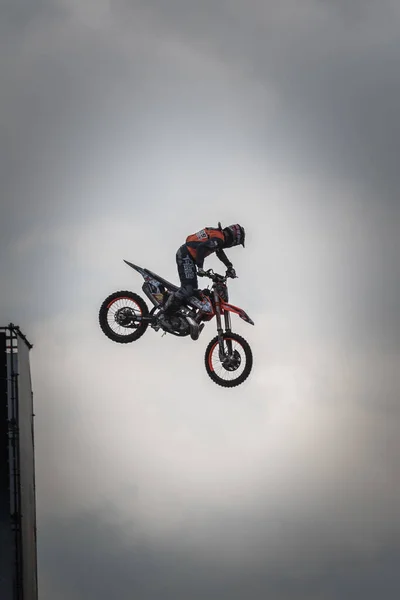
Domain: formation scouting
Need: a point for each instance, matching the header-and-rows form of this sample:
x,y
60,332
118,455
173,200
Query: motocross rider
x,y
192,254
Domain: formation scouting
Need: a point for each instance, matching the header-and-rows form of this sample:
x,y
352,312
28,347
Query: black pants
x,y
187,273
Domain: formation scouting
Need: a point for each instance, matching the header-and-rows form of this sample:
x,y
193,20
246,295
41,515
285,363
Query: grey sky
x,y
125,126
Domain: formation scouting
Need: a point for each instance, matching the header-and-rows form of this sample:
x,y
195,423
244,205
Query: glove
x,y
201,273
231,272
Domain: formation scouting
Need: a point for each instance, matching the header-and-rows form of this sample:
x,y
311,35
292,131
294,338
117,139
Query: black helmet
x,y
234,235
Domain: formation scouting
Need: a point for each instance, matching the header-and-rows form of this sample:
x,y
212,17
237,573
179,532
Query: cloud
x,y
102,556
201,471
126,126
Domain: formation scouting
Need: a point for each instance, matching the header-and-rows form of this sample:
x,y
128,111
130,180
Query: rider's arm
x,y
203,249
223,258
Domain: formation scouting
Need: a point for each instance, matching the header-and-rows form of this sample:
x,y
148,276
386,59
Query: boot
x,y
172,304
168,310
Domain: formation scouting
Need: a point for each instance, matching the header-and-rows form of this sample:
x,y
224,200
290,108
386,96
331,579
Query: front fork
x,y
228,328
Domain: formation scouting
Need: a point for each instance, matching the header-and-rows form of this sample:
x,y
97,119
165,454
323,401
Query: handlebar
x,y
210,273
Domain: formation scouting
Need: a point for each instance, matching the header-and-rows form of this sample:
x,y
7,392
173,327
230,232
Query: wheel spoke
x,y
115,308
218,366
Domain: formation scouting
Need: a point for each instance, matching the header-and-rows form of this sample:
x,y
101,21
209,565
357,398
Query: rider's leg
x,y
188,278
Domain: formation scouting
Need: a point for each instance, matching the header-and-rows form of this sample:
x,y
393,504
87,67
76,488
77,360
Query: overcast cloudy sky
x,y
125,126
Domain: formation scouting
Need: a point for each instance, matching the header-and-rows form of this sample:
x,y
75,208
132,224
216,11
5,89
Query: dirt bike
x,y
124,317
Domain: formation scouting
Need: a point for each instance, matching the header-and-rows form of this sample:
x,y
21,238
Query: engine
x,y
179,325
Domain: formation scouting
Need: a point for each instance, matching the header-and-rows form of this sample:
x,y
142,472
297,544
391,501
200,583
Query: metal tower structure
x,y
18,550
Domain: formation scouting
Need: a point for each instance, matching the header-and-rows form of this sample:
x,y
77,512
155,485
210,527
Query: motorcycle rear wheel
x,y
118,317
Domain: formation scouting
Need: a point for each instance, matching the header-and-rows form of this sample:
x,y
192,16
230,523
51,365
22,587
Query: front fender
x,y
238,311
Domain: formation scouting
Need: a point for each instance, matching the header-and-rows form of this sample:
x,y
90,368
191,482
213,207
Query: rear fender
x,y
153,289
238,311
143,272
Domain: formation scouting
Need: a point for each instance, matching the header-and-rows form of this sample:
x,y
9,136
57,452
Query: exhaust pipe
x,y
195,328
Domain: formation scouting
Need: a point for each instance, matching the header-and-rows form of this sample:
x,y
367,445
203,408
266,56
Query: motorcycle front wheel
x,y
233,366
120,317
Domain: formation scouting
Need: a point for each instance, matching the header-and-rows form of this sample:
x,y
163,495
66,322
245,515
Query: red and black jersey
x,y
205,242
